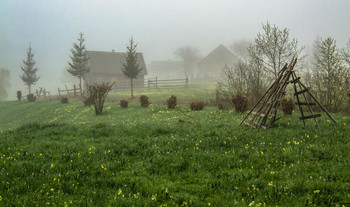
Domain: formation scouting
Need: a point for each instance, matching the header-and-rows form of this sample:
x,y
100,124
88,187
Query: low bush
x,y
64,100
287,106
98,93
19,95
197,105
124,103
222,106
144,100
241,102
172,102
88,101
31,97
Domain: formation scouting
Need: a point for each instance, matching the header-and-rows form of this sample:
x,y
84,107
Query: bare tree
x,y
273,48
191,57
97,95
240,48
330,75
346,54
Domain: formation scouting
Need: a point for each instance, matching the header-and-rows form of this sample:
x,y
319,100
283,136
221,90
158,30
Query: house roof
x,y
111,62
221,55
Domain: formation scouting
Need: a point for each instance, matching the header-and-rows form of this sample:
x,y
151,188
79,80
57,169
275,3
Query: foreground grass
x,y
55,154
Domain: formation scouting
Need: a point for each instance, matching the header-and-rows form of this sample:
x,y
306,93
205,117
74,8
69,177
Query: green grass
x,y
63,155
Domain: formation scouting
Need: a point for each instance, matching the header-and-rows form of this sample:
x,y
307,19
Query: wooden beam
x,y
301,92
295,80
310,117
304,104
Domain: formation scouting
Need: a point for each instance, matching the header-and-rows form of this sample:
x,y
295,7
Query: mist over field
x,y
159,27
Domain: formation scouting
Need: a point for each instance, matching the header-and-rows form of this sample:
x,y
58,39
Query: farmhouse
x,y
210,66
107,67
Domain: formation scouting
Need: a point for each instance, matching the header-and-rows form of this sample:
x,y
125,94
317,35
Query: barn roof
x,y
218,56
111,62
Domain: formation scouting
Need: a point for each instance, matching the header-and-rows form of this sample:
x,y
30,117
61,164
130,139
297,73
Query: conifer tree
x,y
29,76
78,66
131,68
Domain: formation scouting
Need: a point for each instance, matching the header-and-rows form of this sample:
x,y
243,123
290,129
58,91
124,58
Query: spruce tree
x,y
131,68
29,76
78,66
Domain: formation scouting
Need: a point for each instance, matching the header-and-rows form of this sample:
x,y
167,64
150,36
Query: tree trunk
x,y
29,88
80,86
131,86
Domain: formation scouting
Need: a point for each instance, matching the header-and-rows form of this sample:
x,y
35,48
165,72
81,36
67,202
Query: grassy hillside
x,y
63,155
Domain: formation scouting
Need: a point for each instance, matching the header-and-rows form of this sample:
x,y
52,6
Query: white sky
x,y
159,27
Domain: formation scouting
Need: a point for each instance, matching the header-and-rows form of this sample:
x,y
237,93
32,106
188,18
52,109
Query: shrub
x,y
288,106
197,105
172,102
88,101
144,100
98,94
64,100
124,103
31,97
222,106
19,95
241,102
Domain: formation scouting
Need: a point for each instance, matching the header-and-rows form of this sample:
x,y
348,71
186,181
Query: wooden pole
x,y
75,90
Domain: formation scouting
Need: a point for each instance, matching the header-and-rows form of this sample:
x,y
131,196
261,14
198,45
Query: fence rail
x,y
154,83
70,92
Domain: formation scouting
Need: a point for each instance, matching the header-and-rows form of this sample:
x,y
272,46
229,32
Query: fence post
x,y
75,90
156,82
186,83
59,94
149,84
44,93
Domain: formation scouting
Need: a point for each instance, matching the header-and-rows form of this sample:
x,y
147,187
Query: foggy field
x,y
64,155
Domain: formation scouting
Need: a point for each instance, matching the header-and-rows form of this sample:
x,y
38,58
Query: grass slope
x,y
63,155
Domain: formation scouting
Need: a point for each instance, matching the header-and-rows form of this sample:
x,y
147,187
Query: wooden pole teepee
x,y
263,114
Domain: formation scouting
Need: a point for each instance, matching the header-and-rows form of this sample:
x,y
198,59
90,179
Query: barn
x,y
107,67
210,66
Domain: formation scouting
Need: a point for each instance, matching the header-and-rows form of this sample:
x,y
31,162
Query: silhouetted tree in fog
x,y
29,76
79,60
131,68
4,83
190,57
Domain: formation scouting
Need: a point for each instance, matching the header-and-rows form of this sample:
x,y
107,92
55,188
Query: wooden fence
x,y
154,83
42,92
75,91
